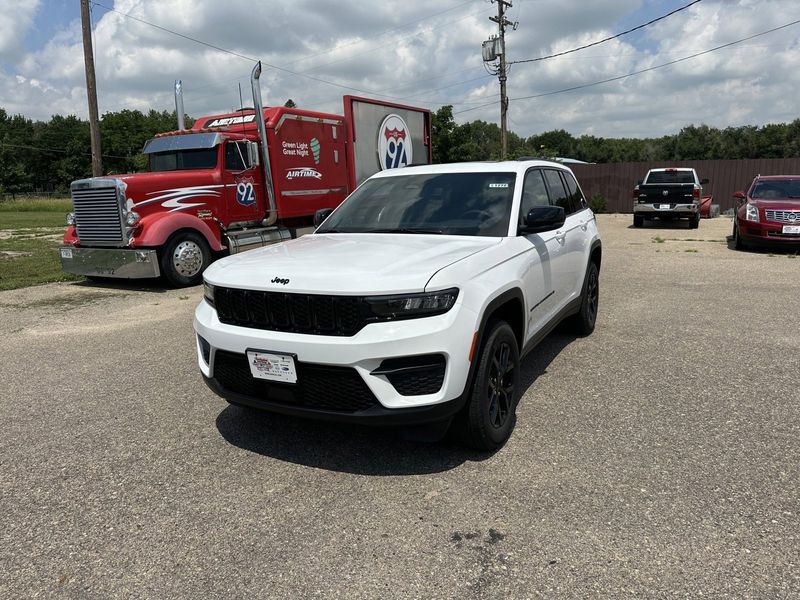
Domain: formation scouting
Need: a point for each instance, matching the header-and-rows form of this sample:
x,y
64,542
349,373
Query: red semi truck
x,y
234,182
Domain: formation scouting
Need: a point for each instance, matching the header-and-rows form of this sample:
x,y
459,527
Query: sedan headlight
x,y
70,218
131,218
208,292
408,306
751,212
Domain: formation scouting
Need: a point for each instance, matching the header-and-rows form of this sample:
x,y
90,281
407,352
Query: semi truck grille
x,y
98,216
783,216
339,389
297,313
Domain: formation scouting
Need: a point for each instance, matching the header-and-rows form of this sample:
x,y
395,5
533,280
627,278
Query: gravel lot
x,y
657,457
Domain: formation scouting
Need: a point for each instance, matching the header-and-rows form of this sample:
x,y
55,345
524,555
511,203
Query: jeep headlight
x,y
408,306
70,218
208,292
751,212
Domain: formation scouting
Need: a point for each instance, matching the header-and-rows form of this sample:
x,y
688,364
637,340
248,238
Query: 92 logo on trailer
x,y
394,143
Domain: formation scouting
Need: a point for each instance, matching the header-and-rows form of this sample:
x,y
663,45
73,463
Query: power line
x,y
639,72
399,27
608,39
238,54
59,150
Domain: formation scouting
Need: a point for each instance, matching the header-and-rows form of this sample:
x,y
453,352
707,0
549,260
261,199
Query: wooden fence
x,y
616,180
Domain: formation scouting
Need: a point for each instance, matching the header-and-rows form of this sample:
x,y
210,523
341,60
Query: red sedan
x,y
769,213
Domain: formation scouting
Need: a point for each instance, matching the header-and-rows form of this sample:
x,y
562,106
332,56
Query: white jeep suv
x,y
411,303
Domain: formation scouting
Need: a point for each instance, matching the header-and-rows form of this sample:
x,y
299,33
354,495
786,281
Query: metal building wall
x,y
616,180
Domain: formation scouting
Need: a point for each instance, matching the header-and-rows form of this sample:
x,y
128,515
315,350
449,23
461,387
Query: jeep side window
x,y
534,193
557,191
578,201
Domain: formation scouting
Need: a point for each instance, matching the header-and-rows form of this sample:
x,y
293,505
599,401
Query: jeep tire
x,y
583,322
489,416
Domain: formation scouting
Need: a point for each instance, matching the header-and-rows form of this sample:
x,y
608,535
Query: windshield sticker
x,y
498,185
231,121
394,143
303,173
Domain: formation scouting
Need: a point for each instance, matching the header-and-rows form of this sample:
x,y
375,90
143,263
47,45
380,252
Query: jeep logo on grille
x,y
280,280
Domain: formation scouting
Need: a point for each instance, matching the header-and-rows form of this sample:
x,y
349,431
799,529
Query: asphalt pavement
x,y
657,457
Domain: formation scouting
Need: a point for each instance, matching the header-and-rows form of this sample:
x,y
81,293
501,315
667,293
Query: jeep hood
x,y
346,264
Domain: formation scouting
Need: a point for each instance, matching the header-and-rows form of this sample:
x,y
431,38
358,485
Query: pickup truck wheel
x,y
583,322
694,222
184,259
490,414
638,220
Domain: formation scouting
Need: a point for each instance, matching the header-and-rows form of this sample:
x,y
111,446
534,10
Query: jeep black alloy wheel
x,y
583,322
490,414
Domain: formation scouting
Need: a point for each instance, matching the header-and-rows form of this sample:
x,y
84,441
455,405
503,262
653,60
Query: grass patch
x,y
39,264
691,250
33,219
658,240
62,205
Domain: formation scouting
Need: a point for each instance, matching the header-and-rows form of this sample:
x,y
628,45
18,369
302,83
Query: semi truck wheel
x,y
184,259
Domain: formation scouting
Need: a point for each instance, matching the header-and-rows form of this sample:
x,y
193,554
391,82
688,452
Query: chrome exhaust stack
x,y
179,104
272,215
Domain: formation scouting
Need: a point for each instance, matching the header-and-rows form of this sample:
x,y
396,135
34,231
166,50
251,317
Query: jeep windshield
x,y
442,203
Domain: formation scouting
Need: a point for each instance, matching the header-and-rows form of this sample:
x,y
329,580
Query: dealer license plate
x,y
791,229
66,253
663,207
274,367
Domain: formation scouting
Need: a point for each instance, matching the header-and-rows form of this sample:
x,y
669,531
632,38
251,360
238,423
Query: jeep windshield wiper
x,y
404,230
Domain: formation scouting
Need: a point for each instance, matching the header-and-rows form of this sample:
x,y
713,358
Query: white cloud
x,y
412,54
16,19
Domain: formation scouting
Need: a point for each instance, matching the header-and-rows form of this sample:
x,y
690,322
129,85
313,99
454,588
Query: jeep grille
x,y
297,313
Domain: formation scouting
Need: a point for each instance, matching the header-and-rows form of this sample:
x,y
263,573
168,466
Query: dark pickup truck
x,y
668,194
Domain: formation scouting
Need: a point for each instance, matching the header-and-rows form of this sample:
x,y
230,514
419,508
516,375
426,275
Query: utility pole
x,y
502,23
91,89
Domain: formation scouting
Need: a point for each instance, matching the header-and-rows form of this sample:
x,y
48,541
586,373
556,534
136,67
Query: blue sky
x,y
430,57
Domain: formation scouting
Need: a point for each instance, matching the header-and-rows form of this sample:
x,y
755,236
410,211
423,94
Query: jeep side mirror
x,y
543,218
739,195
321,215
704,181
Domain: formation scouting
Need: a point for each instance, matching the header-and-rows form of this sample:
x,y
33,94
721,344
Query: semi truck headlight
x,y
751,213
208,293
131,218
411,305
70,219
